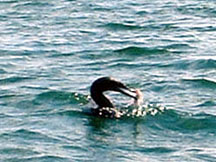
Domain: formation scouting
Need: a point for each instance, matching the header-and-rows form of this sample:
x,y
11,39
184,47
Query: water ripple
x,y
51,52
14,79
184,121
202,82
61,97
119,26
133,50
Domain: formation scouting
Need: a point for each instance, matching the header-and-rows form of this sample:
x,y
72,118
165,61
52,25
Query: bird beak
x,y
128,92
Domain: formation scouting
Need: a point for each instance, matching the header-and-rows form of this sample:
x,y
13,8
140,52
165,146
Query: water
x,y
51,52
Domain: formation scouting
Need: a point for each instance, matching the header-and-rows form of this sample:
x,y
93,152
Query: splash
x,y
144,110
138,109
135,109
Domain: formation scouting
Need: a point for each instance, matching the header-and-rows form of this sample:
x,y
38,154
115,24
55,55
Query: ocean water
x,y
51,52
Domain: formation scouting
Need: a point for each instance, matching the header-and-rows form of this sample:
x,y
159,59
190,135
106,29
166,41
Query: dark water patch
x,y
8,1
3,115
96,54
30,135
194,150
123,65
72,113
198,64
165,87
34,53
178,121
61,97
180,65
101,8
158,150
198,122
2,71
120,26
5,53
33,4
203,155
204,28
14,79
34,87
3,18
72,147
168,27
147,27
26,103
7,96
143,12
41,158
18,15
141,51
61,54
177,47
207,104
201,82
201,10
17,152
204,64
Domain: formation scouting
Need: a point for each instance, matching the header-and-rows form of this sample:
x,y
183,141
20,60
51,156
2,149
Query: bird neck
x,y
101,100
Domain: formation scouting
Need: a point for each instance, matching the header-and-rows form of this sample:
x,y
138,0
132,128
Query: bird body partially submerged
x,y
105,106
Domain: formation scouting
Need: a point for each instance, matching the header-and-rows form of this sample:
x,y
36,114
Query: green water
x,y
51,52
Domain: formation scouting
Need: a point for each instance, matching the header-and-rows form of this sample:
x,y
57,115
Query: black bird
x,y
105,106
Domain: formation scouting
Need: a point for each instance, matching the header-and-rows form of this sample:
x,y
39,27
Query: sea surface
x,y
52,51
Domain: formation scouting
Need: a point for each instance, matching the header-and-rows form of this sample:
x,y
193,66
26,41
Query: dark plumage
x,y
105,106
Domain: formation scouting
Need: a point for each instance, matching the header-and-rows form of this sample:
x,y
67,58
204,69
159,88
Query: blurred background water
x,y
51,52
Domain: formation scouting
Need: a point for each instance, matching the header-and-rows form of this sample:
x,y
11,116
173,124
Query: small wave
x,y
33,3
133,50
39,158
8,1
17,153
202,82
7,96
206,103
124,65
2,71
198,10
142,12
181,121
198,122
177,47
156,149
203,63
3,115
13,80
30,135
162,118
120,26
197,64
204,28
62,97
10,151
70,113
